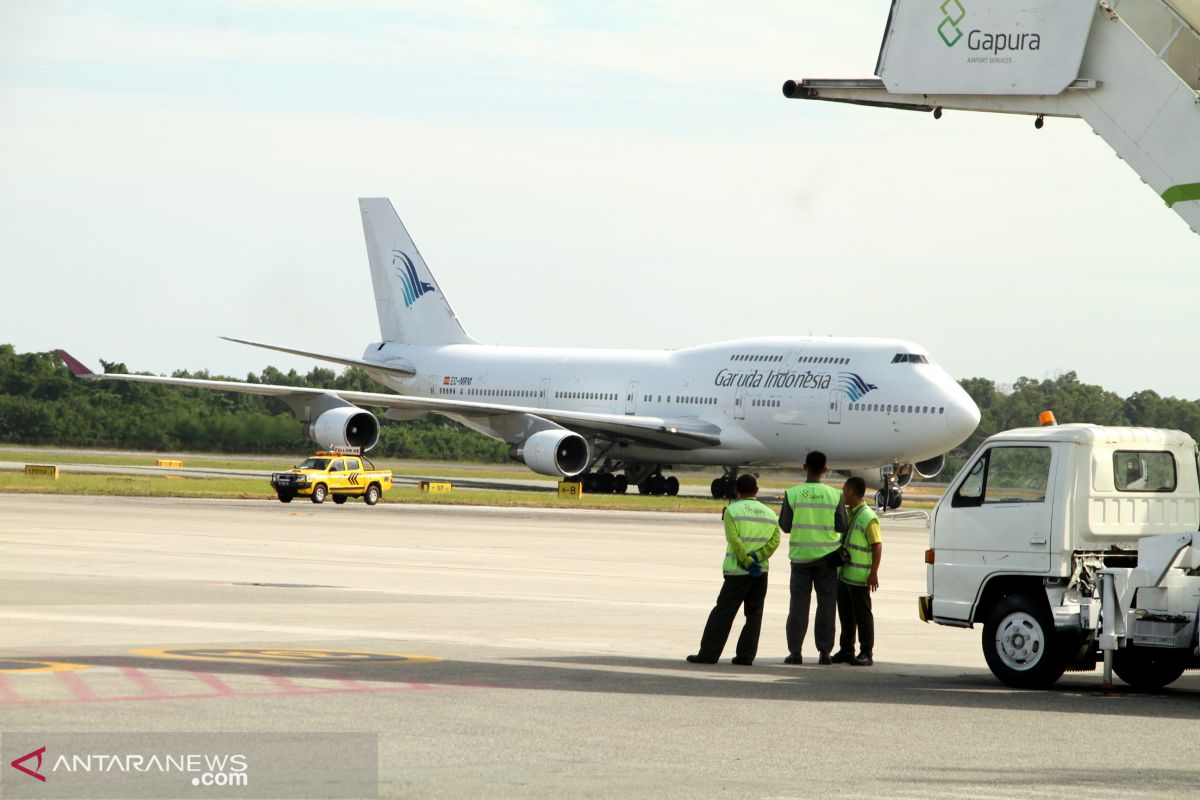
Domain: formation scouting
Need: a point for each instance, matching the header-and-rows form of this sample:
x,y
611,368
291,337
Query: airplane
x,y
619,418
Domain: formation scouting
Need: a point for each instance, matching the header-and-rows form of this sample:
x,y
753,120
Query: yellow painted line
x,y
339,658
31,665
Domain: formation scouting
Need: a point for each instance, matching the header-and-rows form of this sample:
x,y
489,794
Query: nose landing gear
x,y
722,487
890,496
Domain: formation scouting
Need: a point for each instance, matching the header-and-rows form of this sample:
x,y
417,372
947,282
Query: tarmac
x,y
528,653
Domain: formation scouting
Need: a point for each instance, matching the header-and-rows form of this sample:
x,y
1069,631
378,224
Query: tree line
x,y
42,404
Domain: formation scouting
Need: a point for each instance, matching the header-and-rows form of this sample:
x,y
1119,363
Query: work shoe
x,y
861,661
794,658
742,662
842,657
824,659
696,659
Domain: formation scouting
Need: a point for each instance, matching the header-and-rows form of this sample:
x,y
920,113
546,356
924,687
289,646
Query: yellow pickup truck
x,y
331,474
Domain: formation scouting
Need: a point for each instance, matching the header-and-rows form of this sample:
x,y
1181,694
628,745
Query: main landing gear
x,y
648,479
657,484
603,482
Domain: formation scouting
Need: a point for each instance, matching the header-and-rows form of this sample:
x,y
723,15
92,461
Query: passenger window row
x,y
585,395
504,393
888,408
766,403
687,399
822,360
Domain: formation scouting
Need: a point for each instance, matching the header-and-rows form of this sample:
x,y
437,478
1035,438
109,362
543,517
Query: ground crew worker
x,y
814,516
751,536
858,578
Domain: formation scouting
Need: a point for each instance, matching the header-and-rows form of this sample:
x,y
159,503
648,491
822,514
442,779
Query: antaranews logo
x,y
952,14
414,287
19,764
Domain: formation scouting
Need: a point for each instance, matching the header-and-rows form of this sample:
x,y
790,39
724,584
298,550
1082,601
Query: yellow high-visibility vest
x,y
814,509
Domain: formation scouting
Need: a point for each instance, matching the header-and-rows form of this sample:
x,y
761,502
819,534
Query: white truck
x,y
1073,545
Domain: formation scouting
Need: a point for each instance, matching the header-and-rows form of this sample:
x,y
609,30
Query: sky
x,y
618,174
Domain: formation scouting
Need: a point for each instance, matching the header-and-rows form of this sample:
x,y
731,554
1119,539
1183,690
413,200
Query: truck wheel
x,y
1020,646
285,497
372,495
339,498
1148,668
319,493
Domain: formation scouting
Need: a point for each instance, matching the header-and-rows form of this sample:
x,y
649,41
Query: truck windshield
x,y
314,463
1006,474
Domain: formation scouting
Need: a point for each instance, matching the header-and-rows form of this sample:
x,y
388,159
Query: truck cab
x,y
1019,540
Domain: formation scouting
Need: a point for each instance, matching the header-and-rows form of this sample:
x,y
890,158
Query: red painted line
x,y
77,686
220,688
353,685
409,687
144,682
8,694
288,685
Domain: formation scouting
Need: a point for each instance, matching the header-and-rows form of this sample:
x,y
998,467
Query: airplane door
x,y
835,406
544,394
631,398
739,405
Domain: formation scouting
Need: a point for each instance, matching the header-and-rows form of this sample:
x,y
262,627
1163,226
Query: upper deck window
x,y
910,358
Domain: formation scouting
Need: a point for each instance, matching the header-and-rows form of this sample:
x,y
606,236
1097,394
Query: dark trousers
x,y
738,590
854,611
806,577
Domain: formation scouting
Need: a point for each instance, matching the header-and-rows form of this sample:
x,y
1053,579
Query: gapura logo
x,y
952,14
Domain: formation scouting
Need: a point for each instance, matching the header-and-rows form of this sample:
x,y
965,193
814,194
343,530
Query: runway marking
x,y
150,690
218,686
142,680
7,693
287,684
339,658
37,665
78,687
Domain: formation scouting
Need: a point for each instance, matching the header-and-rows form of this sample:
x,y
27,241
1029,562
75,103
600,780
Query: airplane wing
x,y
679,433
390,369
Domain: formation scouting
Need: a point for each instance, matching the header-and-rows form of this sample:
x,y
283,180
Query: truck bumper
x,y
925,608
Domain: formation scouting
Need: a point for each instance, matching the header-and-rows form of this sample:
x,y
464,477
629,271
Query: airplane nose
x,y
962,415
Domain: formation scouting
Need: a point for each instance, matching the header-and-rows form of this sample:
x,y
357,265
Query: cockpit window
x,y
910,358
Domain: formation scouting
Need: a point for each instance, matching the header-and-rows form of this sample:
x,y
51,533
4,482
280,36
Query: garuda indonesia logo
x,y
414,287
854,386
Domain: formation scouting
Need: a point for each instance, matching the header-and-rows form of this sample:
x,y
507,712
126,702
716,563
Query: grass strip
x,y
241,489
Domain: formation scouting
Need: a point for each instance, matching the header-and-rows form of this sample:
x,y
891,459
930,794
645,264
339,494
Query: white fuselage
x,y
863,402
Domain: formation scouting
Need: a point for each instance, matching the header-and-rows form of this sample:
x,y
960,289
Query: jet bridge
x,y
1129,68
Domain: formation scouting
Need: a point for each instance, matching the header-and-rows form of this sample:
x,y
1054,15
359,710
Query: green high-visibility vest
x,y
859,568
814,509
755,525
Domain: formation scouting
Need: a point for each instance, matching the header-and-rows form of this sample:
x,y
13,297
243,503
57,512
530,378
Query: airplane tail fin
x,y
412,308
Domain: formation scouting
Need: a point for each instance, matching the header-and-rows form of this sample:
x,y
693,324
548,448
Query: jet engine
x,y
930,467
348,426
559,453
